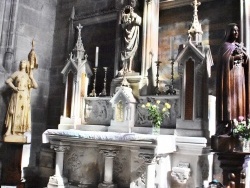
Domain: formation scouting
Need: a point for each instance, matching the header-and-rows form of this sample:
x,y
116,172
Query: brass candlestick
x,y
93,93
157,91
171,89
104,91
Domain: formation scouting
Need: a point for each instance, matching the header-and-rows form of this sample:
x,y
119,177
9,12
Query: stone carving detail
x,y
98,111
109,152
141,172
203,163
148,158
59,148
181,172
73,162
121,165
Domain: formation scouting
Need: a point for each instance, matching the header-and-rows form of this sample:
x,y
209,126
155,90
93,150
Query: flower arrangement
x,y
242,128
157,112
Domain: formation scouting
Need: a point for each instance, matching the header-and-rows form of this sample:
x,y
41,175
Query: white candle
x,y
171,48
96,56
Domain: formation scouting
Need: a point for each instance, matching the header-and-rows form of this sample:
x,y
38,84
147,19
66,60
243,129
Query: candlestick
x,y
157,91
104,91
171,89
96,56
93,93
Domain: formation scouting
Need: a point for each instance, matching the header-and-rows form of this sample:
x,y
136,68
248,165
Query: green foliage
x,y
242,129
157,112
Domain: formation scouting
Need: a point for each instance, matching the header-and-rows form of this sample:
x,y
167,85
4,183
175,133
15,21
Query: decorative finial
x,y
33,64
79,45
33,44
195,28
79,27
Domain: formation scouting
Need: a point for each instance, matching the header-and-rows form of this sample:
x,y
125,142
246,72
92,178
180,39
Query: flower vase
x,y
156,130
245,145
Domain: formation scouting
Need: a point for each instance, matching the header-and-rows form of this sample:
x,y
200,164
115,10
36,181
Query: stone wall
x,y
21,21
213,16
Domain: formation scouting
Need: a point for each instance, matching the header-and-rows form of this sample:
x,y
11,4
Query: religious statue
x,y
18,117
130,22
232,95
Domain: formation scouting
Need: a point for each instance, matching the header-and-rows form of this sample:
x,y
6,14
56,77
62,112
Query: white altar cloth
x,y
163,143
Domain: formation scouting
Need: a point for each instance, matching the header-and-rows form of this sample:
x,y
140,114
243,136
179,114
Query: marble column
x,y
58,181
150,161
109,155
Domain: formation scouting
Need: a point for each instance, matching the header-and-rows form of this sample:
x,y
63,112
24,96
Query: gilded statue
x,y
18,117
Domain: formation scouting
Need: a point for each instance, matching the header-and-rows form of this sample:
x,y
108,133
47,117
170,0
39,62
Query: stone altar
x,y
90,158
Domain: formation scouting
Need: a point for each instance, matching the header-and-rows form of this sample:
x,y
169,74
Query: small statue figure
x,y
18,117
233,74
130,22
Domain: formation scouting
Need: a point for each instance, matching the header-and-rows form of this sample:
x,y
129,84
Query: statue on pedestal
x,y
233,74
18,117
130,22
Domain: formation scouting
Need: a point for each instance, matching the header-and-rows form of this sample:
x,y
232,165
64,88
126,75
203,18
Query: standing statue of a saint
x,y
130,23
233,74
18,117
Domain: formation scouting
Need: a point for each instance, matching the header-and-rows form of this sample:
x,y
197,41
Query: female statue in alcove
x,y
18,117
130,23
233,74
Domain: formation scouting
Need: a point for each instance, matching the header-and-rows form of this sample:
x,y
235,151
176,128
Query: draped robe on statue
x,y
232,85
130,23
18,117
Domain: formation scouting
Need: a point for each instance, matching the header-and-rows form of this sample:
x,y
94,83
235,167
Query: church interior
x,y
82,83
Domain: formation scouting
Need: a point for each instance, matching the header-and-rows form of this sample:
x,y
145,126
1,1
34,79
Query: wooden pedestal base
x,y
11,164
232,165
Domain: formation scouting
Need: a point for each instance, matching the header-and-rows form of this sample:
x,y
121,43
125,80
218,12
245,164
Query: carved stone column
x,y
58,180
109,155
150,161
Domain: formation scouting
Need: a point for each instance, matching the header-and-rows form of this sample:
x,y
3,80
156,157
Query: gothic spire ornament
x,y
195,30
79,45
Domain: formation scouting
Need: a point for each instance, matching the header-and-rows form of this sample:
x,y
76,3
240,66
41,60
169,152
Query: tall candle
x,y
96,56
171,48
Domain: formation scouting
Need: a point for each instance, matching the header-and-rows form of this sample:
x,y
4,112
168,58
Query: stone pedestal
x,y
197,160
58,181
137,84
15,138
